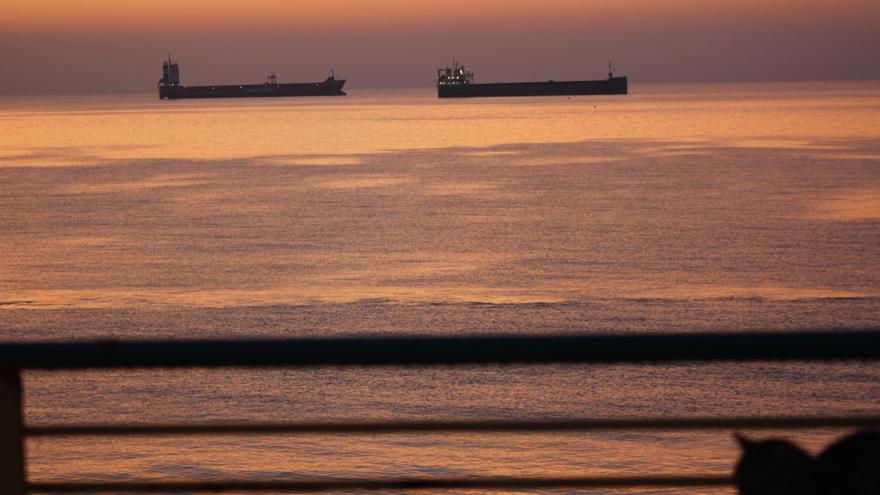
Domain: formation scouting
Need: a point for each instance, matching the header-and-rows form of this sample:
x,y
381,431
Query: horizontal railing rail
x,y
431,351
409,484
836,344
588,424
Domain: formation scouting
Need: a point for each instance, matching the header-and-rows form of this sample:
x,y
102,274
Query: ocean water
x,y
677,208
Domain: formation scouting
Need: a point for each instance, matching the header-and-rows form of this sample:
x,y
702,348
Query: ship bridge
x,y
457,74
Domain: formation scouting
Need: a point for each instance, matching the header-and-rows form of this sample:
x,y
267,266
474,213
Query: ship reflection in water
x,y
171,89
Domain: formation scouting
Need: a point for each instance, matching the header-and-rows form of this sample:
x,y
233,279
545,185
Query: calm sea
x,y
677,208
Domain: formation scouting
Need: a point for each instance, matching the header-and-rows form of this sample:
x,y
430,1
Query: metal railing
x,y
843,344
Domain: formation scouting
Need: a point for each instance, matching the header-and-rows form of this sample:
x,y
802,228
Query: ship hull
x,y
330,87
610,86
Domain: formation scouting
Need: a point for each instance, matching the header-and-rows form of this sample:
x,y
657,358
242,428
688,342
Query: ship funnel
x,y
173,78
170,73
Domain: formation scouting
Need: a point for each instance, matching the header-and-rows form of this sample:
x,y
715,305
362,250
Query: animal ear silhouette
x,y
743,442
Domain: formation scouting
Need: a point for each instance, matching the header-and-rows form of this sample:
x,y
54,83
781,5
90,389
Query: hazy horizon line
x,y
432,87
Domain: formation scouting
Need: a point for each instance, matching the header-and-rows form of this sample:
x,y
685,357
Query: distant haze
x,y
99,46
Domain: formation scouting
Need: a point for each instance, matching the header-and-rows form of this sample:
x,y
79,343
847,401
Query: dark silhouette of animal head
x,y
774,467
851,465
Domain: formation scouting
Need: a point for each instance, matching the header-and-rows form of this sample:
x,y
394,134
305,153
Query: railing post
x,y
12,477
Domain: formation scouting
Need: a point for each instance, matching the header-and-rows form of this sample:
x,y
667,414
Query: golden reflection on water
x,y
663,210
562,160
458,188
336,288
313,161
492,153
852,155
360,182
798,144
351,125
595,220
686,293
47,161
856,204
159,181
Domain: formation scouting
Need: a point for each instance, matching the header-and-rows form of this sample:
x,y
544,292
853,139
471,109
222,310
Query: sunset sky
x,y
104,46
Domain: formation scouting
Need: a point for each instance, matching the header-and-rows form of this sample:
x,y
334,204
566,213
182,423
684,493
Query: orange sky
x,y
95,46
86,15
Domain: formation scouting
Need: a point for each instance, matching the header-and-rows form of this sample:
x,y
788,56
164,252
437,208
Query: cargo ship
x,y
171,89
458,82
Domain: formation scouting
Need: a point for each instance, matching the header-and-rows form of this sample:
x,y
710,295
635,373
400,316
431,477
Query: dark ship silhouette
x,y
458,82
171,89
